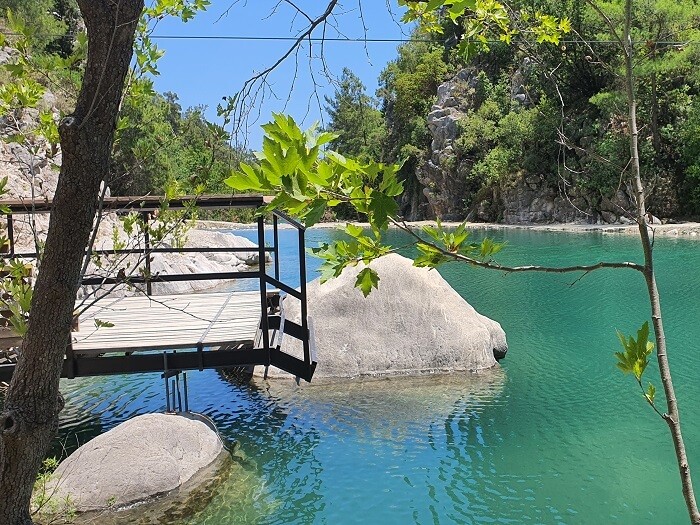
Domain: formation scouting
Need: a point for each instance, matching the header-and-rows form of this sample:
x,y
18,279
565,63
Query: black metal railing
x,y
264,354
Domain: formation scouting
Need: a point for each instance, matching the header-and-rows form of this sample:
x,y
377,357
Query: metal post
x,y
264,325
179,397
147,251
276,247
302,289
174,405
184,387
11,234
165,376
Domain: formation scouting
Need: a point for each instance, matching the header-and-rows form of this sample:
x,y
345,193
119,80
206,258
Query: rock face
x,y
415,323
525,198
445,188
533,199
145,457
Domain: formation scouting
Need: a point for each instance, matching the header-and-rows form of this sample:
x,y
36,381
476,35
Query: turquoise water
x,y
556,436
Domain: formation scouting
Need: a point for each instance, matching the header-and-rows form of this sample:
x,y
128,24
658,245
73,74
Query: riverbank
x,y
685,229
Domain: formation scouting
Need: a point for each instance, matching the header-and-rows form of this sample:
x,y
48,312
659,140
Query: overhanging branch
x,y
519,269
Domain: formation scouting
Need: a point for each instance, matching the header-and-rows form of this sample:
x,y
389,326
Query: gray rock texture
x,y
414,323
526,198
445,187
143,458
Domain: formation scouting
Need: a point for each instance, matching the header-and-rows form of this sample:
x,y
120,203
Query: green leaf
x,y
381,207
635,357
353,230
366,280
650,393
103,324
459,7
250,178
429,257
315,212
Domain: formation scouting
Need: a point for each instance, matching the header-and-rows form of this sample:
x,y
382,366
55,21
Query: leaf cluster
x,y
444,244
306,180
634,358
484,21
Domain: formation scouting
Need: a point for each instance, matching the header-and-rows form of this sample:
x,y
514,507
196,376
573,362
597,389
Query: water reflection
x,y
320,447
391,404
282,447
553,442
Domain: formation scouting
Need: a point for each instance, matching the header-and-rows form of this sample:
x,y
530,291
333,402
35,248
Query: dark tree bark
x,y
30,417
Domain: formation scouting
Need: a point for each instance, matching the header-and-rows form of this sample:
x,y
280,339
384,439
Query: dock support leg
x,y
165,376
184,387
264,323
179,396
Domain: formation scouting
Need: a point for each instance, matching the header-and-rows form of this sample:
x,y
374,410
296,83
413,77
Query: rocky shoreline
x,y
681,229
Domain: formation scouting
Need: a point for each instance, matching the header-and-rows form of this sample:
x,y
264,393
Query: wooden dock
x,y
142,323
173,333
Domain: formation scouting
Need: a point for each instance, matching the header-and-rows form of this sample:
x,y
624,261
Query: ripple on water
x,y
557,436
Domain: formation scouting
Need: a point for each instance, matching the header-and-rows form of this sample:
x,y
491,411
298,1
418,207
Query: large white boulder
x,y
414,323
143,458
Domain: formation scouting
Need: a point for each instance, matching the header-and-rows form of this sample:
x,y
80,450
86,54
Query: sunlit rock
x,y
144,458
415,323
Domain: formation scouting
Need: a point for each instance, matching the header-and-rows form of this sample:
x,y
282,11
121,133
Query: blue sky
x,y
203,71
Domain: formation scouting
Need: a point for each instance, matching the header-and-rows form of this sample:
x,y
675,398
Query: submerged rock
x,y
146,457
391,405
414,323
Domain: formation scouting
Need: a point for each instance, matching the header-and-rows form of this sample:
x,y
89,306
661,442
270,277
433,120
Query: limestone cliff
x,y
523,196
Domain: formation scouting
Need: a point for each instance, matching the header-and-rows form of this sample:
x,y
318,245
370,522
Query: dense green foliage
x,y
554,112
394,129
53,23
356,119
408,89
161,144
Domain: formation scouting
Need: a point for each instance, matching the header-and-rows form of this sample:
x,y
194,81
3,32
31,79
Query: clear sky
x,y
202,71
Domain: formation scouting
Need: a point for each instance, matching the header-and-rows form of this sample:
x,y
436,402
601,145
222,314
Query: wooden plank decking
x,y
169,322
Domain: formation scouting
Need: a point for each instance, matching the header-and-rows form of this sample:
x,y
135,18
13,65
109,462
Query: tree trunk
x,y
30,417
672,416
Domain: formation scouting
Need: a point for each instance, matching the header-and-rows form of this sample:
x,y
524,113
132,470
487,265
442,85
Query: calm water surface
x,y
556,436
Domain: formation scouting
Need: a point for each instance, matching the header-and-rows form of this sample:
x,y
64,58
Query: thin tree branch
x,y
517,269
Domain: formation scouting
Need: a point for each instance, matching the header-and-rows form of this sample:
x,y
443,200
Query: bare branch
x,y
248,91
518,269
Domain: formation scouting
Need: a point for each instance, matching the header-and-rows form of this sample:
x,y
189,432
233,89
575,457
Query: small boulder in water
x,y
145,457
